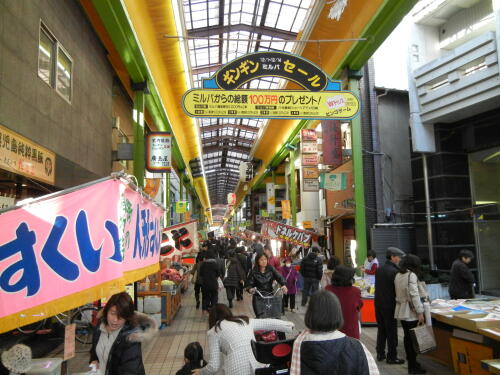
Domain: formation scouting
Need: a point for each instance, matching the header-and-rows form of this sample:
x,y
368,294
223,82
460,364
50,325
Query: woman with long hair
x,y
261,278
410,295
229,341
116,344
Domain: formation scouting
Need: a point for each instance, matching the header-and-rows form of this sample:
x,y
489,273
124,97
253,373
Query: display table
x,y
465,339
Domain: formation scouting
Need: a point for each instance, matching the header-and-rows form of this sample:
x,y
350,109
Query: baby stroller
x,y
277,355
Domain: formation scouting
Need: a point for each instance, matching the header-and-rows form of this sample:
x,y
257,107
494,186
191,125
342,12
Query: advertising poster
x,y
286,212
310,184
308,135
310,172
333,181
271,199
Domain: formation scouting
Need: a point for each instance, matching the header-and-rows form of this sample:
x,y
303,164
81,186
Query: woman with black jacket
x,y
261,278
210,270
235,276
116,344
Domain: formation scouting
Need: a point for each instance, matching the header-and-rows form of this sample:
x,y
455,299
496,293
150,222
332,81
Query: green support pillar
x,y
359,187
293,187
181,193
167,200
138,120
273,176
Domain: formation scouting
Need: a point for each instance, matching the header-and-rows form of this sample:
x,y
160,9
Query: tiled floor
x,y
164,355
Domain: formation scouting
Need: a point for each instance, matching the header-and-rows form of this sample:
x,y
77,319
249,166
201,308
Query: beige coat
x,y
407,290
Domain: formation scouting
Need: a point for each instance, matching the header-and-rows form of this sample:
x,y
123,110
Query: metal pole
x,y
293,187
428,212
167,199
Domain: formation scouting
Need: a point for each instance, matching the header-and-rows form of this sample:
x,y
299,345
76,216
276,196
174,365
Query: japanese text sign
x,y
158,152
89,243
271,198
310,172
276,231
277,104
20,155
308,135
333,181
310,159
222,96
182,237
309,184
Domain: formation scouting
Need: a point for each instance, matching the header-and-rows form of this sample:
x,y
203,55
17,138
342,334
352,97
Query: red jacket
x,y
350,300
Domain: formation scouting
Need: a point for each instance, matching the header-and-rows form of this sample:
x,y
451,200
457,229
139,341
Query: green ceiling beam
x,y
115,19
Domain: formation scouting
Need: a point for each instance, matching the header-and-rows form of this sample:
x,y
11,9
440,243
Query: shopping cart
x,y
268,304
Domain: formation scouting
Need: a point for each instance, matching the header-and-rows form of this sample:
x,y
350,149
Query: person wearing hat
x,y
385,305
349,297
461,277
370,267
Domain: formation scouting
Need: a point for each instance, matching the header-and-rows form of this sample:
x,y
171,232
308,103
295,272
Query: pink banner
x,y
274,230
53,250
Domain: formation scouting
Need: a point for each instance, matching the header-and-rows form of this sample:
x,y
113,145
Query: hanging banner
x,y
310,159
20,155
182,237
333,181
158,152
72,249
231,199
310,172
273,230
310,184
271,199
286,212
181,207
332,142
222,96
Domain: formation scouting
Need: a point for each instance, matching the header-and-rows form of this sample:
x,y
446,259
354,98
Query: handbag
x,y
422,337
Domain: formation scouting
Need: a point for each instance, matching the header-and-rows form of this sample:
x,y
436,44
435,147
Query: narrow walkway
x,y
165,354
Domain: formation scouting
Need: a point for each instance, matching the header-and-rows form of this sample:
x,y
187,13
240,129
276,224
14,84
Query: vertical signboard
x,y
332,142
158,152
310,160
271,199
286,212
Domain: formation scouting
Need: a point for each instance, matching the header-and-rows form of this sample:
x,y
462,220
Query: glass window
x,y
63,74
45,56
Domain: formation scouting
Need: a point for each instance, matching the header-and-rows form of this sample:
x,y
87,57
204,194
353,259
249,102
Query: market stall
x,y
467,334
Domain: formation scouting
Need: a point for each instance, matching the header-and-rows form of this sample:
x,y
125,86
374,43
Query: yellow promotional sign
x,y
22,156
280,104
285,209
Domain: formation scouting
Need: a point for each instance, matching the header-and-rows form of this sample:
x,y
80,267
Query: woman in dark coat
x,y
116,344
235,276
209,272
349,297
261,278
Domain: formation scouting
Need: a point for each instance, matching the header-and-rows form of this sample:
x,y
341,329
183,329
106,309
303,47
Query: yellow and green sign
x,y
222,96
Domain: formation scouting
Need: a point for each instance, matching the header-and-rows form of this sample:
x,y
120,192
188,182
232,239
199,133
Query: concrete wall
x,y
80,132
393,114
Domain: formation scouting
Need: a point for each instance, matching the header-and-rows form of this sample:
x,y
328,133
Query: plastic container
x,y
45,366
152,305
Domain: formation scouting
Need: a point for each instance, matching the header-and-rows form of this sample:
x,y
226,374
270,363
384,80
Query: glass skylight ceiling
x,y
220,31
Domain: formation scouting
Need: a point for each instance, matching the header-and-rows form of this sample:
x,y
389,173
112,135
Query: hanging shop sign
x,y
271,198
309,147
181,207
231,199
183,238
310,159
310,172
286,212
20,155
332,142
333,181
310,184
222,96
274,230
63,252
158,152
307,135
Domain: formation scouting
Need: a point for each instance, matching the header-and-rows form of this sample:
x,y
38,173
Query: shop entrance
x,y
485,188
